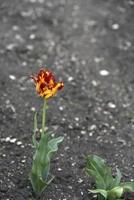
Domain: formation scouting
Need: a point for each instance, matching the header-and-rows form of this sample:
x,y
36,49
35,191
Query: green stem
x,y
44,116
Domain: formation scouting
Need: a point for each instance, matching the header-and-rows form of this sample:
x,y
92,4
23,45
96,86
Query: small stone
x,y
24,63
77,119
93,40
73,164
15,28
83,62
80,180
59,169
74,58
112,127
19,38
70,187
23,161
81,193
61,108
115,26
19,143
10,47
66,148
131,2
92,127
104,72
70,126
70,78
83,132
12,77
111,105
32,36
7,139
13,140
98,59
94,83
91,134
30,47
63,119
33,109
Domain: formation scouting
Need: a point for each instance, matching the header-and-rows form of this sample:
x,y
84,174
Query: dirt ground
x,y
89,44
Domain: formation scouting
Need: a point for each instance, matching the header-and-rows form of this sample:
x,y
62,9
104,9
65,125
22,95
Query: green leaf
x,y
115,193
117,178
128,186
102,192
97,168
35,143
41,161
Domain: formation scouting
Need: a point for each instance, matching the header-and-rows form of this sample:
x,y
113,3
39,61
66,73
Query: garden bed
x,y
89,45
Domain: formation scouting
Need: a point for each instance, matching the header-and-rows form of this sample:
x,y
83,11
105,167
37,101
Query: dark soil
x,y
90,45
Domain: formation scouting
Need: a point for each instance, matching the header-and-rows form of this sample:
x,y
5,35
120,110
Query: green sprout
x,y
107,187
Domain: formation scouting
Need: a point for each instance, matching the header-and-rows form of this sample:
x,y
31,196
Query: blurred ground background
x,y
89,44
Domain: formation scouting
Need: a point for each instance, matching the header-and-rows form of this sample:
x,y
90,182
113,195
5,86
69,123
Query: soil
x,y
89,44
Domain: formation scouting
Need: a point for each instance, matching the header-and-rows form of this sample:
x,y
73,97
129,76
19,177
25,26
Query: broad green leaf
x,y
37,183
41,161
102,192
115,193
97,168
117,178
128,186
98,178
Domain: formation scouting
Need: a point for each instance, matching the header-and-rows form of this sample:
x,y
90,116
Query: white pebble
x,y
93,127
77,119
98,59
83,132
7,139
59,169
104,72
33,109
30,47
70,78
80,180
12,77
115,26
73,164
19,143
82,193
111,105
13,140
32,36
15,28
91,134
61,108
73,58
94,83
24,63
70,126
131,2
10,47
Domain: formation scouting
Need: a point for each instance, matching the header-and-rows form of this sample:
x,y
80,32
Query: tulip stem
x,y
44,116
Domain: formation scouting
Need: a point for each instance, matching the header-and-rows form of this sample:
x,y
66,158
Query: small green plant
x,y
107,187
45,146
